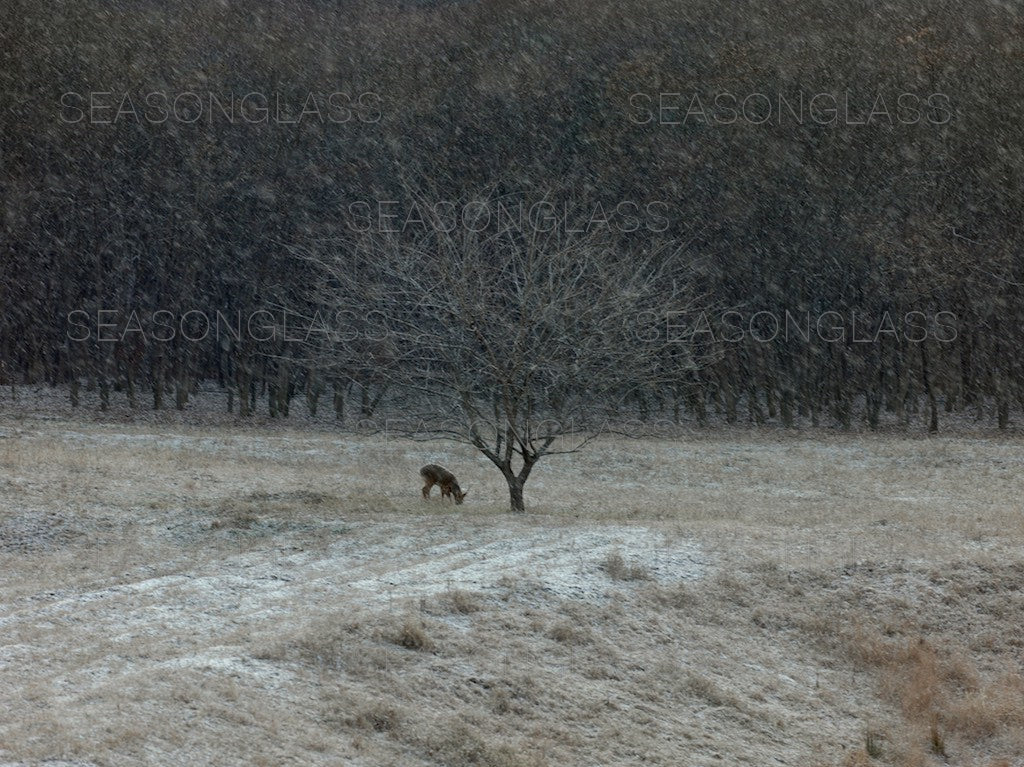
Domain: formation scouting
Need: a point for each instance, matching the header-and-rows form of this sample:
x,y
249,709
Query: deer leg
x,y
426,489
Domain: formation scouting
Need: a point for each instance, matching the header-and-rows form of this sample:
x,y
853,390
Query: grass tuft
x,y
411,635
618,569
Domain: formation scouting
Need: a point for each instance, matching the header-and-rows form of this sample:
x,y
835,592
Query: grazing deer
x,y
438,475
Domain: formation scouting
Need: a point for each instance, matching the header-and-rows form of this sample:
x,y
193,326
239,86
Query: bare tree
x,y
520,340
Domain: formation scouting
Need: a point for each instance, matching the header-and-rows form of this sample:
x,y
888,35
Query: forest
x,y
815,206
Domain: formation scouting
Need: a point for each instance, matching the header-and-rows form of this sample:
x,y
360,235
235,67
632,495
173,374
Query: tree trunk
x,y
755,414
730,401
516,483
104,383
515,490
339,401
284,393
180,392
313,389
786,407
181,382
129,385
242,379
158,383
926,380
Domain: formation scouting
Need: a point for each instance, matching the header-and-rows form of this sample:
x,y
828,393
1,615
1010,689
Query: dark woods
x,y
837,186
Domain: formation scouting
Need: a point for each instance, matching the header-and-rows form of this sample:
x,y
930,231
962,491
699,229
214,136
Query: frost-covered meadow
x,y
180,595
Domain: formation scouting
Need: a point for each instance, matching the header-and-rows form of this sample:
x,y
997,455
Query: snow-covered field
x,y
221,595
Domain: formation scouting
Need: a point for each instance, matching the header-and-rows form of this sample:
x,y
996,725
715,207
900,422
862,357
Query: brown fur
x,y
438,475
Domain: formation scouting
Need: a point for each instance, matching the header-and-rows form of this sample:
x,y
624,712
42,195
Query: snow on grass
x,y
566,564
678,599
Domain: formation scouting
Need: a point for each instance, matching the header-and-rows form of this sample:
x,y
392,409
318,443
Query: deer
x,y
438,475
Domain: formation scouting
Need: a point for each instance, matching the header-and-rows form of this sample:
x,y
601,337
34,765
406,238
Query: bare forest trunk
x,y
339,401
929,390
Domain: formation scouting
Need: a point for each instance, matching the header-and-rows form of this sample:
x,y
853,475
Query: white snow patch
x,y
566,565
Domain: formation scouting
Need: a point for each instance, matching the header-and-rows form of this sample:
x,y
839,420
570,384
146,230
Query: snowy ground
x,y
181,595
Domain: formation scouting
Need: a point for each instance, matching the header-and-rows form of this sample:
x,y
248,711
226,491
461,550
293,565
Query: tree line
x,y
824,203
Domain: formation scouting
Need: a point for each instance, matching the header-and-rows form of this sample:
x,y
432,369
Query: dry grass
x,y
620,570
461,601
717,600
941,694
412,635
